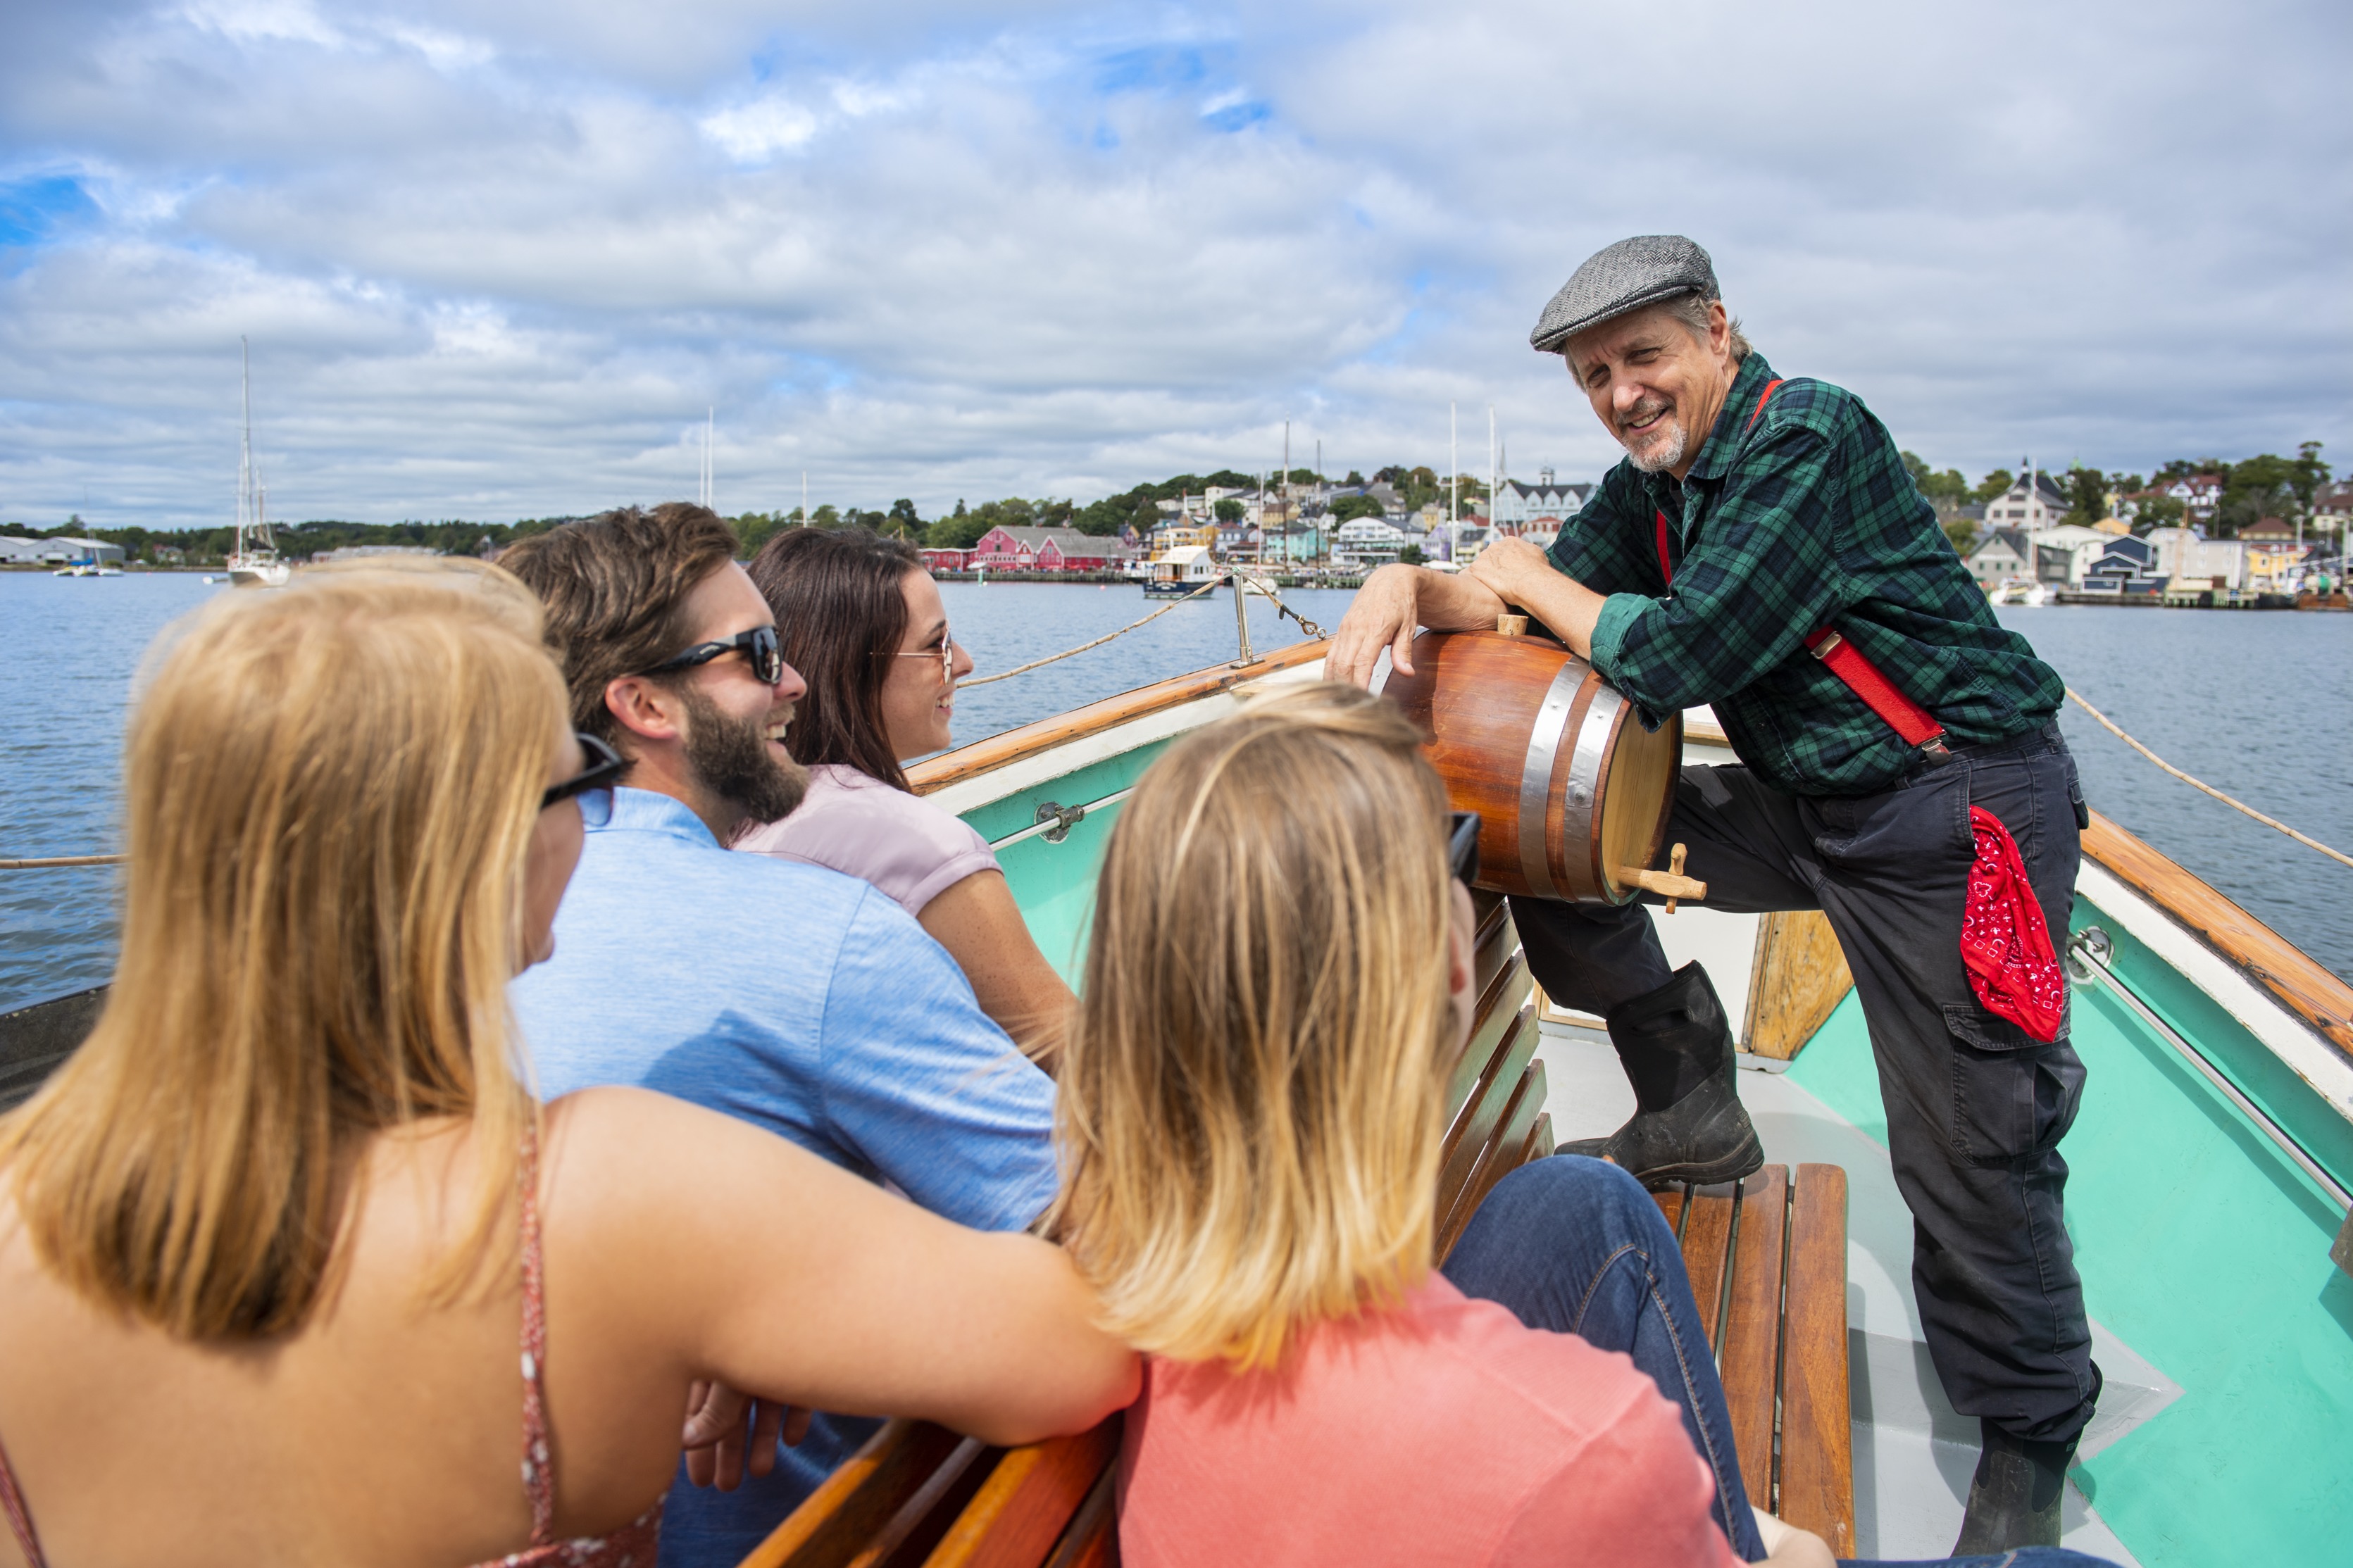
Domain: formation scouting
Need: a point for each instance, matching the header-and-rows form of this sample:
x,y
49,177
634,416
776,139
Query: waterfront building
x,y
67,551
18,552
2126,565
1007,548
2274,554
1524,510
1362,544
2062,554
2187,552
2201,496
2036,504
2005,552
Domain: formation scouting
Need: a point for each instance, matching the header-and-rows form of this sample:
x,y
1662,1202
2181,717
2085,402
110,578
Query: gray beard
x,y
1663,455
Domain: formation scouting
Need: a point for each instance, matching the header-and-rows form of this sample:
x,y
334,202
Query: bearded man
x,y
1762,550
794,997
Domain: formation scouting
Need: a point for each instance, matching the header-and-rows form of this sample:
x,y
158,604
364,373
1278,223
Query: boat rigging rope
x,y
2110,725
1315,632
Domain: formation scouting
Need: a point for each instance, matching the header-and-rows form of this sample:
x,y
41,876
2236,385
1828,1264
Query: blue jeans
x,y
1575,1246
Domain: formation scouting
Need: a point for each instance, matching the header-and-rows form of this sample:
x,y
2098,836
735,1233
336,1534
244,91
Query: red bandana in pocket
x,y
2005,946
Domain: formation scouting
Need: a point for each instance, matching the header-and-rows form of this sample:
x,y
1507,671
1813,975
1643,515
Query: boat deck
x,y
1912,1454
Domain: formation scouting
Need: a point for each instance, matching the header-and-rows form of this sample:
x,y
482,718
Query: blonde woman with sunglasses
x,y
273,1240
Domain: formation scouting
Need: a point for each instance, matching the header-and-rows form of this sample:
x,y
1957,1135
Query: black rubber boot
x,y
2014,1498
1689,1125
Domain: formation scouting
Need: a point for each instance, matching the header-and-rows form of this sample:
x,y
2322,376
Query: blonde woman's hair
x,y
1249,1107
330,789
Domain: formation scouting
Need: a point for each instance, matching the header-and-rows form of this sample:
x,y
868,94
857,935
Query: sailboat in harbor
x,y
254,563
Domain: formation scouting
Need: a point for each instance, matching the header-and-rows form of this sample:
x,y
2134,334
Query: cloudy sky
x,y
497,259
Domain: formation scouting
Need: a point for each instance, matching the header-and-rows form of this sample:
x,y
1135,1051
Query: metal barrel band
x,y
1535,776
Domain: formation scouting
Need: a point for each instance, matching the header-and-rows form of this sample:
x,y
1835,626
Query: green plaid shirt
x,y
1803,520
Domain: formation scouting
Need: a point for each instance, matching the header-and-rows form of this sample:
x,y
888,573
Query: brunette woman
x,y
271,1241
862,621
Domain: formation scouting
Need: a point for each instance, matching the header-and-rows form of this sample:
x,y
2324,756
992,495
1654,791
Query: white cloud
x,y
754,131
495,257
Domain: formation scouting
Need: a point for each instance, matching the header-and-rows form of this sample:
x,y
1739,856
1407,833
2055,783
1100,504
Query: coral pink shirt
x,y
1442,1434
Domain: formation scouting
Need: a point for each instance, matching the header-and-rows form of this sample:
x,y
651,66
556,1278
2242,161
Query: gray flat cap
x,y
1626,276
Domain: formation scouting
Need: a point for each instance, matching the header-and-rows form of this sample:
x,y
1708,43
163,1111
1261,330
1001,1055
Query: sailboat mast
x,y
244,450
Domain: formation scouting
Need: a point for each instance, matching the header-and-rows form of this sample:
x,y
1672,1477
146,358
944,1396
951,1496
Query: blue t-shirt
x,y
802,1001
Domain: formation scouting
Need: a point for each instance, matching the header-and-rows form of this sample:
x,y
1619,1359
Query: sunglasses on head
x,y
604,771
1462,845
759,645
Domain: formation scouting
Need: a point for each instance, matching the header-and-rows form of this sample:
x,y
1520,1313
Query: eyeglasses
x,y
759,645
1462,845
604,771
947,656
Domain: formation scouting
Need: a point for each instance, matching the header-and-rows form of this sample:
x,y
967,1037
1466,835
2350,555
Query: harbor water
x,y
2255,703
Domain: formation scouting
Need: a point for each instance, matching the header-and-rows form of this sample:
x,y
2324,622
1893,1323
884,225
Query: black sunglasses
x,y
1462,845
604,771
759,645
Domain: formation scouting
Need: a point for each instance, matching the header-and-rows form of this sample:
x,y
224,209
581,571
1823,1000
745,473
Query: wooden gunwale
x,y
1014,745
2297,981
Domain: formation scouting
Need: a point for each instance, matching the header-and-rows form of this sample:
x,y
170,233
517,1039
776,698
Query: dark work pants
x,y
1976,1108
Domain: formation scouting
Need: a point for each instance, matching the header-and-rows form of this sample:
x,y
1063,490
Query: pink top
x,y
636,1544
1444,1433
862,828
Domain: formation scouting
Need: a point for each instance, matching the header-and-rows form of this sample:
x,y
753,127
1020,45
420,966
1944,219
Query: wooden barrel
x,y
1569,788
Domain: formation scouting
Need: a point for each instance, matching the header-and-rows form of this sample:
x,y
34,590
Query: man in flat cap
x,y
1761,549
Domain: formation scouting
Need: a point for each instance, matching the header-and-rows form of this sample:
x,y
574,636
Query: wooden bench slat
x,y
1540,1145
1817,1433
1708,1237
1466,1141
1498,1156
1092,1539
1672,1203
1497,1006
1491,949
846,1515
1511,1142
1021,1513
1752,1332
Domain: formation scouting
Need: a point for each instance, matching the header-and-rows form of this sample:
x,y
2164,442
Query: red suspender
x,y
1842,659
1902,715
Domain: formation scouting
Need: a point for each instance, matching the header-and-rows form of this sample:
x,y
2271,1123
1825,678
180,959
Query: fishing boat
x,y
1182,571
2212,1159
254,563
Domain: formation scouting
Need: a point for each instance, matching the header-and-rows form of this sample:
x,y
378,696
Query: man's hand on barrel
x,y
1396,602
1517,573
1508,566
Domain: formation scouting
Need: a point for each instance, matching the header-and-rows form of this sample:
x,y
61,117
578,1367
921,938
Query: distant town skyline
x,y
498,259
